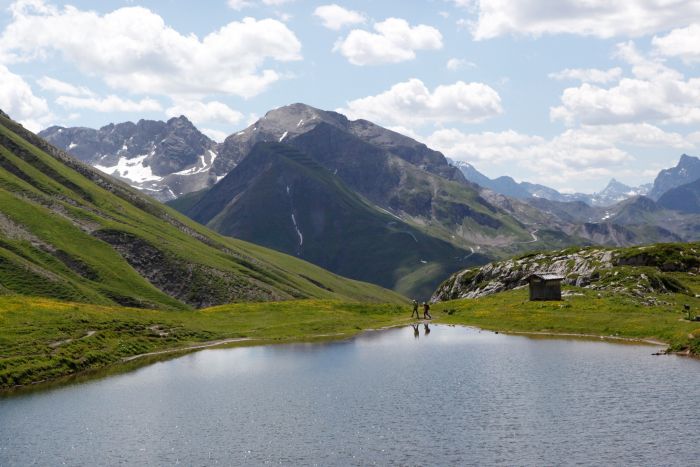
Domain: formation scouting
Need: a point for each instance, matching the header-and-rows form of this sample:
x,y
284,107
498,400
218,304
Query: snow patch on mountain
x,y
133,170
296,227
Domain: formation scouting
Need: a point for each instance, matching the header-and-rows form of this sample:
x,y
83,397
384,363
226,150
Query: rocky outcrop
x,y
195,284
638,272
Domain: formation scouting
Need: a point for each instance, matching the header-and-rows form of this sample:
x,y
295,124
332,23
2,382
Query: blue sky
x,y
567,93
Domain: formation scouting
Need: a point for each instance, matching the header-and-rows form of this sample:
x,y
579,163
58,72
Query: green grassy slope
x,y
69,232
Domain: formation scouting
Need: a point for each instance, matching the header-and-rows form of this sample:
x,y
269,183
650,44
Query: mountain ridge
x,y
68,231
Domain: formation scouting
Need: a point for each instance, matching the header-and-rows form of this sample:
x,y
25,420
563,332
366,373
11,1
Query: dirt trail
x,y
191,347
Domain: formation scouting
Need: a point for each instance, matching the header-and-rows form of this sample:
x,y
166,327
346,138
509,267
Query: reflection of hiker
x,y
426,311
426,329
415,309
415,331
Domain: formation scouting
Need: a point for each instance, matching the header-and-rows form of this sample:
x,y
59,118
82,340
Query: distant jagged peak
x,y
615,185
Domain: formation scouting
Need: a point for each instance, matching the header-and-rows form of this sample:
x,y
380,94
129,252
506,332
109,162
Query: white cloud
x,y
216,135
587,153
336,17
110,103
56,86
241,4
455,64
588,75
682,43
133,49
655,93
598,18
18,100
205,112
411,103
394,41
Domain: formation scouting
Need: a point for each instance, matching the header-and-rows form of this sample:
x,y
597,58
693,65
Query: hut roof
x,y
546,276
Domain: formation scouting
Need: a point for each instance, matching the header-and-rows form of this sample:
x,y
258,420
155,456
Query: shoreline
x,y
317,338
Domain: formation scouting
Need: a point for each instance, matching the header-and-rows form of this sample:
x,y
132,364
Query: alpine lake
x,y
428,396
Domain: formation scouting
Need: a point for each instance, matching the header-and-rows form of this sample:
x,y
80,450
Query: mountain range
x,y
613,193
372,204
69,231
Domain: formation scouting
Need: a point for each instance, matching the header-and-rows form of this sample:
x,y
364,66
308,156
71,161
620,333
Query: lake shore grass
x,y
584,313
44,340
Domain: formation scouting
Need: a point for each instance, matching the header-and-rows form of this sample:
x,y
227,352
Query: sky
x,y
567,93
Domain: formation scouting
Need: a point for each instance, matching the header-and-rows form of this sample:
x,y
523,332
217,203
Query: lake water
x,y
456,396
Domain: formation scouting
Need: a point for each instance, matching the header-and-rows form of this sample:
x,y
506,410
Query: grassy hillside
x,y
69,232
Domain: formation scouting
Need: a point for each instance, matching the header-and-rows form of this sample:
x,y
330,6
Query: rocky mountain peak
x,y
616,187
686,159
286,123
164,159
686,171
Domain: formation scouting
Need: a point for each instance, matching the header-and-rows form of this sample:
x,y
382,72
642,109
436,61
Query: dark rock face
x,y
685,198
164,159
686,171
282,198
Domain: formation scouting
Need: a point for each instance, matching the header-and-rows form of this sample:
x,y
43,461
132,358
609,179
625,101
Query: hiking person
x,y
415,310
426,311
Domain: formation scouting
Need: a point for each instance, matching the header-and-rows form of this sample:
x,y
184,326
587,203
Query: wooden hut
x,y
545,286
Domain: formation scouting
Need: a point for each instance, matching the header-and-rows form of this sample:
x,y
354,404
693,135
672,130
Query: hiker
x,y
416,334
426,311
415,310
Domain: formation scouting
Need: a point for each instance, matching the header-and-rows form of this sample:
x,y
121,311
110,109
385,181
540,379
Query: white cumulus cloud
x,y
598,18
18,100
411,103
654,93
109,103
683,43
394,41
336,17
585,153
241,4
135,50
57,86
588,75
